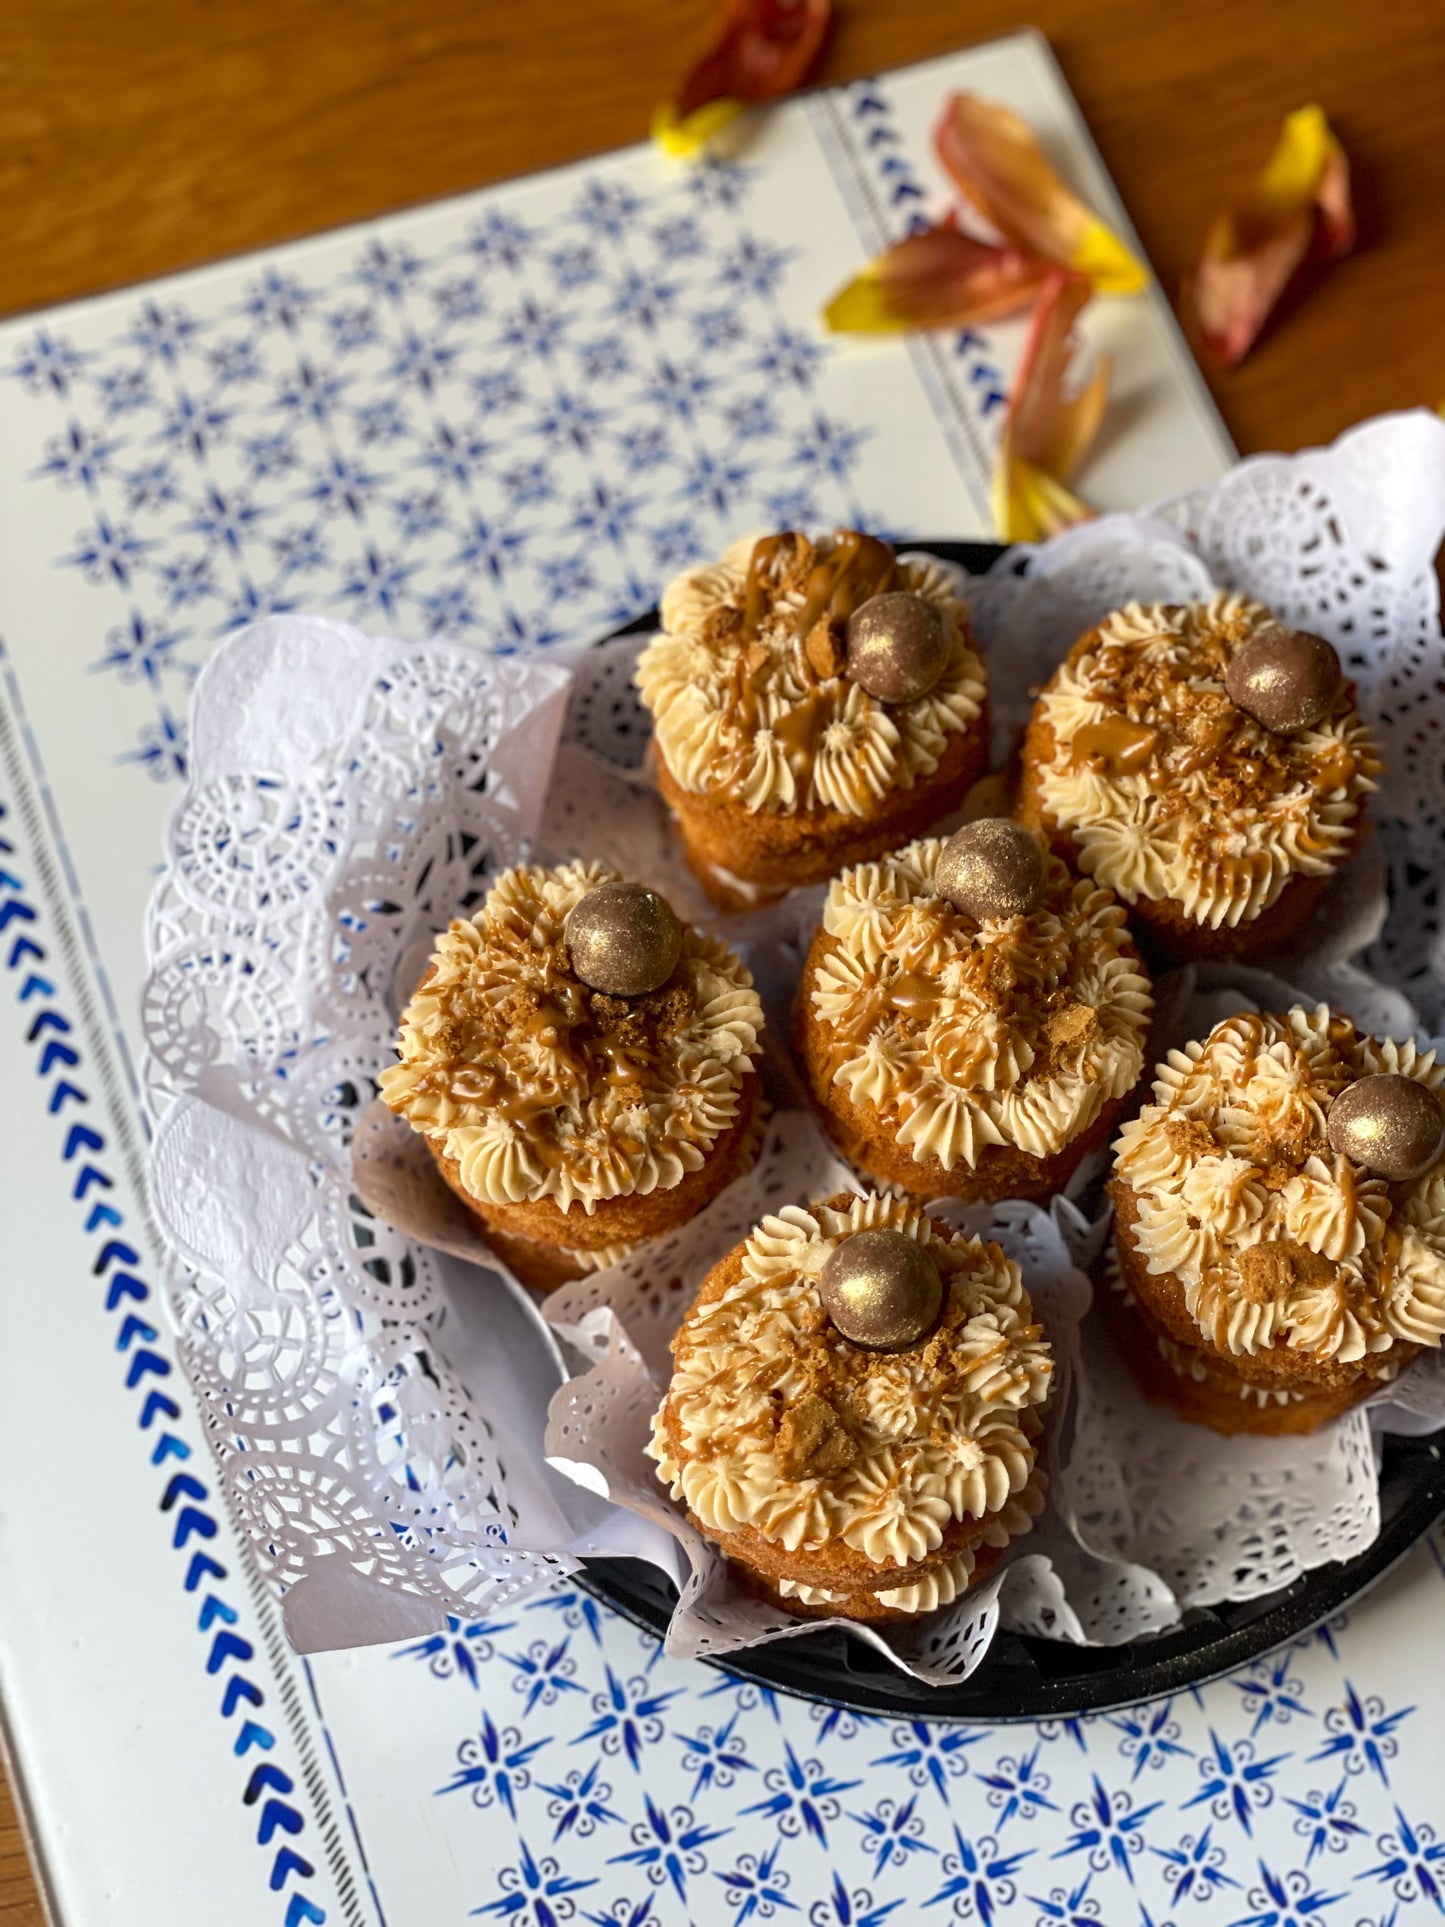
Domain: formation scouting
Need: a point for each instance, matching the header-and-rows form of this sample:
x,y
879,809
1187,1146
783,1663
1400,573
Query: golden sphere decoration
x,y
881,1290
897,646
1392,1125
623,939
1286,679
992,868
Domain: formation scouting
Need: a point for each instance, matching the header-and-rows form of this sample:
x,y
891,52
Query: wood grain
x,y
140,138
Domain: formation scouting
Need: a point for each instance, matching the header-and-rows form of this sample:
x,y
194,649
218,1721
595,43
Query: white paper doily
x,y
347,796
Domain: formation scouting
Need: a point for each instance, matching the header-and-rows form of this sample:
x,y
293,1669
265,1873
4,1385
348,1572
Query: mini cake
x,y
813,704
971,1017
582,1067
855,1409
1280,1221
1206,764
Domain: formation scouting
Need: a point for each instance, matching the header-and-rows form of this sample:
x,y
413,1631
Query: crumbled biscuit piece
x,y
1071,1027
813,1442
1271,1273
721,623
827,647
670,1009
1189,1137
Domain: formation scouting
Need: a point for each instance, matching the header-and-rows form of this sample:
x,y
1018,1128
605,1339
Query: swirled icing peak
x,y
1171,791
1277,1239
774,1421
961,1034
541,1088
748,686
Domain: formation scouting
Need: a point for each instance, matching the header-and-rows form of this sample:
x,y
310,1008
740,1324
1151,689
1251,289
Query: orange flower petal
x,y
938,278
1047,433
1300,205
994,158
759,50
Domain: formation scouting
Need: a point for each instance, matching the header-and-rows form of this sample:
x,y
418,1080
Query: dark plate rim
x,y
1026,1678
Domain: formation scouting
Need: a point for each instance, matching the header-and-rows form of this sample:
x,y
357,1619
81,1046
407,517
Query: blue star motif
x,y
930,1754
163,333
627,1717
375,581
1018,1787
573,265
311,393
235,361
1195,1868
570,421
579,1803
715,1756
141,651
123,390
459,1651
277,300
301,549
790,358
419,515
1235,1783
978,1879
533,329
606,359
455,454
487,550
752,267
352,326
675,543
604,513
677,237
187,579
755,1887
459,299
1285,1900
1327,1821
1151,1736
387,268
830,447
500,240
801,1796
269,455
891,1833
752,418
494,1766
450,610
225,520
1362,1734
151,486
576,1609
345,486
109,549
641,300
608,208
718,329
720,184
381,422
543,1672
421,363
48,362
715,481
1107,1828
1068,1906
669,1847
1272,1693
196,427
78,458
849,1907
1414,1862
677,389
535,1893
160,750
643,448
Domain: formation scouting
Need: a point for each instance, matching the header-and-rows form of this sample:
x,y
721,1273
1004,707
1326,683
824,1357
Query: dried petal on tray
x,y
995,159
759,50
1047,433
1299,208
937,278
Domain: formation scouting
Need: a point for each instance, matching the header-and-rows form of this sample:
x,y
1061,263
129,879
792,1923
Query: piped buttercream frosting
x,y
742,712
1168,790
1276,1238
902,1445
537,1086
961,1034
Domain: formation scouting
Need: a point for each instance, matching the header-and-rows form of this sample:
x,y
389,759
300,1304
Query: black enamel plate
x,y
1023,1678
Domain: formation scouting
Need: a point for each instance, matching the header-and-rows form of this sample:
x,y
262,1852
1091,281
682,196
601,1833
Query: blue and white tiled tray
x,y
509,418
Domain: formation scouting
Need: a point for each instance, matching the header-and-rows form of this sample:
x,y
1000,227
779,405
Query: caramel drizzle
x,y
857,568
1116,746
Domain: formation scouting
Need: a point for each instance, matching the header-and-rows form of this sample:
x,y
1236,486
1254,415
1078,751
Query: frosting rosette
x,y
1166,790
834,1470
536,1087
1278,1243
749,706
955,1034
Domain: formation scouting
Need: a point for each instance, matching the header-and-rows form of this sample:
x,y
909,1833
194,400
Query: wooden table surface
x,y
141,138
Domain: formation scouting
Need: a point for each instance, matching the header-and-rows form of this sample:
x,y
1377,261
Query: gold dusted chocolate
x,y
881,1290
1286,679
623,939
897,646
1390,1124
992,868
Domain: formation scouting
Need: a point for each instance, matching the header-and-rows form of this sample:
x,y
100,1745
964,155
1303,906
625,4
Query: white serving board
x,y
511,416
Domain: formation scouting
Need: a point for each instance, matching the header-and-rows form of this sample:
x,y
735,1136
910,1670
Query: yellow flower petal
x,y
938,278
1047,433
997,163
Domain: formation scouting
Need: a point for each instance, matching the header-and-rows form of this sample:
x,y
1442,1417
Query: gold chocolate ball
x,y
1390,1124
1286,679
992,868
881,1290
897,646
623,939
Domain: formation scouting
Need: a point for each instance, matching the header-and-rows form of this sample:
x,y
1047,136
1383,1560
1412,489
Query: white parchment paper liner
x,y
380,1404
